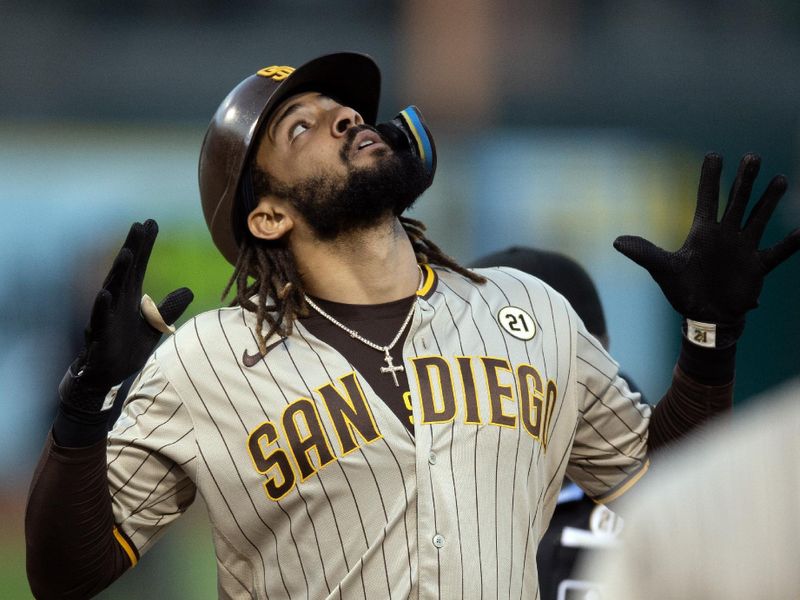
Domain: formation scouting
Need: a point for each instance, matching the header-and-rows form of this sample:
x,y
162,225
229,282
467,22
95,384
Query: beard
x,y
333,205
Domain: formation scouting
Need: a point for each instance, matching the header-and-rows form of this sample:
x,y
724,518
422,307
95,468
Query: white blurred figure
x,y
720,517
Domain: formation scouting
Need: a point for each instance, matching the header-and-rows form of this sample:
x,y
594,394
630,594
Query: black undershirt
x,y
379,324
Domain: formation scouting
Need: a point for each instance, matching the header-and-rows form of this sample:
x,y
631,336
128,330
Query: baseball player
x,y
368,419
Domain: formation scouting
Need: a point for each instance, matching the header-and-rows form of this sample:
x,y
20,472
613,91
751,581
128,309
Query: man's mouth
x,y
366,138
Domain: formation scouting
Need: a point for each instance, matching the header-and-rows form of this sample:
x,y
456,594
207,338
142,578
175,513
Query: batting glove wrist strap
x,y
80,422
712,335
80,394
707,366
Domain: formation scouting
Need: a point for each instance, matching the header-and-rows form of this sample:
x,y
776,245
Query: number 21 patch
x,y
517,322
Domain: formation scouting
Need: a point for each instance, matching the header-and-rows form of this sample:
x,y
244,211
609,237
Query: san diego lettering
x,y
446,390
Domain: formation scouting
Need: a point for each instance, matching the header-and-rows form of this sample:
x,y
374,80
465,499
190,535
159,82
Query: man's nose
x,y
343,119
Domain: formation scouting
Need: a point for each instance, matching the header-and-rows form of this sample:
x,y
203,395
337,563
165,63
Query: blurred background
x,y
558,124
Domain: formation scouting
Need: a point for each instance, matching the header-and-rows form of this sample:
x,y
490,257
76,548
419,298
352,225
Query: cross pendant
x,y
391,368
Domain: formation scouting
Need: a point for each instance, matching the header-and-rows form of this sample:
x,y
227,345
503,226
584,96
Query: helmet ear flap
x,y
408,132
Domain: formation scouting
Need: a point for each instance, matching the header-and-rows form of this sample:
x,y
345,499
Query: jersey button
x,y
438,540
432,458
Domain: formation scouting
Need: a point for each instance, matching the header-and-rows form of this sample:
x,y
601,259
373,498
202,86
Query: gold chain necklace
x,y
390,367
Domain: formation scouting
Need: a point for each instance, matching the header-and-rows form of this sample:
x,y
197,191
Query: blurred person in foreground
x,y
720,521
368,418
579,525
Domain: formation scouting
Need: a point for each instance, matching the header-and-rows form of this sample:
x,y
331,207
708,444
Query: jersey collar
x,y
430,279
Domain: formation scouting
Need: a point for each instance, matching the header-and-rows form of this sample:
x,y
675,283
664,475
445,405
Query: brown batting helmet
x,y
352,79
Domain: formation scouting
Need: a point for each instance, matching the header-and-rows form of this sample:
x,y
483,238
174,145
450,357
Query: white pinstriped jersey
x,y
315,489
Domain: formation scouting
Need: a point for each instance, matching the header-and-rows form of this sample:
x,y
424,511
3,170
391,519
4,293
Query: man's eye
x,y
297,130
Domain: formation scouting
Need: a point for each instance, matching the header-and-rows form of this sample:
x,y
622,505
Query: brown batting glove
x,y
716,276
117,341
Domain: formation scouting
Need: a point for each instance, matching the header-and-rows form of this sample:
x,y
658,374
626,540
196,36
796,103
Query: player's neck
x,y
365,267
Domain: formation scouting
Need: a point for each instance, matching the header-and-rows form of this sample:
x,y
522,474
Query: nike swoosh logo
x,y
251,360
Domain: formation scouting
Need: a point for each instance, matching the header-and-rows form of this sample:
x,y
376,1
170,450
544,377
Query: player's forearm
x,y
71,551
702,388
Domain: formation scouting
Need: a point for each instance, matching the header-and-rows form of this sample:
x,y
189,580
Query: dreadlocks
x,y
271,267
428,252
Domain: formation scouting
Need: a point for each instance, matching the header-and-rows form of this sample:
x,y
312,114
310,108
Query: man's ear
x,y
269,220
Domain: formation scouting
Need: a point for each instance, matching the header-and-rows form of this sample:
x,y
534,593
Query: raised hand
x,y
119,339
716,276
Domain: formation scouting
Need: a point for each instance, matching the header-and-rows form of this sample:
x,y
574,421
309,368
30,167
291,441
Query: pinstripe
x,y
153,533
554,480
477,510
480,293
430,475
519,430
283,510
538,324
361,573
511,520
327,496
244,487
475,453
341,468
614,382
405,516
280,506
385,516
166,495
147,455
296,547
611,381
539,504
369,466
244,587
606,440
435,526
598,400
555,342
158,483
452,471
240,420
144,412
496,520
230,456
592,475
217,377
255,395
529,532
138,439
239,527
538,449
590,461
433,505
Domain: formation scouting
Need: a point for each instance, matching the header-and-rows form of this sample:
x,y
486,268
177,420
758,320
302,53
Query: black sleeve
x,y
73,547
702,388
